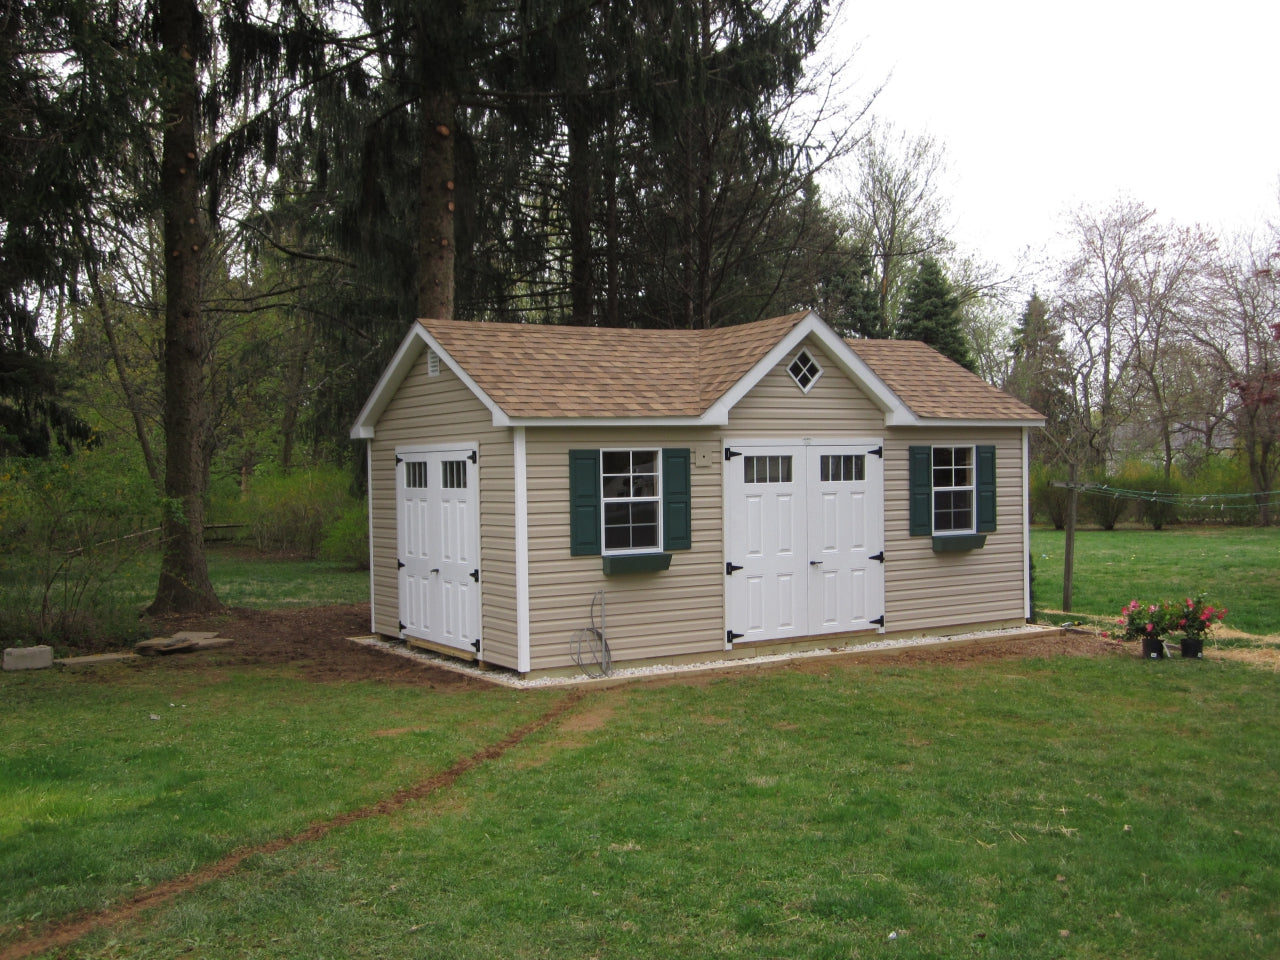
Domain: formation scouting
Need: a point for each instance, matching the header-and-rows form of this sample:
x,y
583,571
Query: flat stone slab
x,y
183,642
39,657
93,659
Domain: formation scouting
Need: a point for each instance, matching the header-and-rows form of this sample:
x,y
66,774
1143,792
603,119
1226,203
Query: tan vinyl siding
x,y
926,590
834,406
679,611
440,409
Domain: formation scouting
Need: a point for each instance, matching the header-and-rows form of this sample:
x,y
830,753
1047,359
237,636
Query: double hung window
x,y
631,494
629,501
953,493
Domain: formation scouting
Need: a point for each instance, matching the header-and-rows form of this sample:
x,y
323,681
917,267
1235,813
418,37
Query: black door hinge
x,y
399,459
475,574
402,626
473,457
730,454
729,568
879,621
475,644
877,452
879,556
730,636
399,564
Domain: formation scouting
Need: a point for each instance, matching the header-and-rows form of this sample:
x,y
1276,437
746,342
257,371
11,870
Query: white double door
x,y
804,539
438,525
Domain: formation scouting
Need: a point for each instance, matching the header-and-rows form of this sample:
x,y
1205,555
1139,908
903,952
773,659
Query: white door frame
x,y
823,570
438,545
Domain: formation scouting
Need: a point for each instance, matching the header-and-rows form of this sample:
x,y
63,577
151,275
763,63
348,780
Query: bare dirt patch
x,y
314,640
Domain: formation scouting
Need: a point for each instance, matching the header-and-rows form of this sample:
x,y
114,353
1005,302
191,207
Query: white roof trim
x,y
896,412
853,366
406,356
944,422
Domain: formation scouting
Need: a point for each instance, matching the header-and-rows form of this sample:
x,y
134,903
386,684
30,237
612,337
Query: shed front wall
x,y
677,612
434,410
927,591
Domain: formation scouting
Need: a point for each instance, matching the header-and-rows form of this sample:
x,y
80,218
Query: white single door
x,y
766,545
439,530
804,540
846,538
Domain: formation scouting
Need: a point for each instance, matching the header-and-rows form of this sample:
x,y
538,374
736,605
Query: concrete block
x,y
28,658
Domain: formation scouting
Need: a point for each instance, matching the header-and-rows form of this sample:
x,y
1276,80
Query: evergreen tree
x,y
931,312
64,114
1040,375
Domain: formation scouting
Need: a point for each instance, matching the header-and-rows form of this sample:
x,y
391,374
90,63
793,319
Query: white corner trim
x,y
368,509
522,550
1026,520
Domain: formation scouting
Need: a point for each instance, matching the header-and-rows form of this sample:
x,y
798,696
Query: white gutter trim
x,y
522,549
944,422
611,422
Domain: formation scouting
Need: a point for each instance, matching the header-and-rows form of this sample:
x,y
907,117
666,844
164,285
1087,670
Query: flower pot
x,y
1193,647
1152,648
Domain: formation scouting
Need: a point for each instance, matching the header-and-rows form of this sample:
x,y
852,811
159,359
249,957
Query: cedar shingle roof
x,y
936,387
535,371
558,371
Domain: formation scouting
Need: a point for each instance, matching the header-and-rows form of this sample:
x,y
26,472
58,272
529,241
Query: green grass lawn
x,y
1235,567
1109,808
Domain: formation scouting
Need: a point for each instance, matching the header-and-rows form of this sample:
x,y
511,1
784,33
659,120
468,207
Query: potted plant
x,y
1148,622
1194,617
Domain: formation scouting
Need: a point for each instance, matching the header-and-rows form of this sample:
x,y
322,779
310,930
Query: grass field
x,y
1032,809
1236,567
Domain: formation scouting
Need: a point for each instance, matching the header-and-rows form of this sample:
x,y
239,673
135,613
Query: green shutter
x,y
920,460
584,503
986,489
677,500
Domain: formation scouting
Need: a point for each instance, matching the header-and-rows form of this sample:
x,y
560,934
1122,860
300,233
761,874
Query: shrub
x,y
1149,480
346,539
1049,503
290,511
70,526
1227,488
1104,509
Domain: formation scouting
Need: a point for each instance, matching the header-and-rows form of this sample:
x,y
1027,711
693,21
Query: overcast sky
x,y
1045,106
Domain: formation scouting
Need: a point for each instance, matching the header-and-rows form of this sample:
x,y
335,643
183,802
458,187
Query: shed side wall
x,y
434,410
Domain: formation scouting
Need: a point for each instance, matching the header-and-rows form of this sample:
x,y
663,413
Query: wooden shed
x,y
721,491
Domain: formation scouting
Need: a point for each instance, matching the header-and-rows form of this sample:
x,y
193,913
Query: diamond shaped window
x,y
804,370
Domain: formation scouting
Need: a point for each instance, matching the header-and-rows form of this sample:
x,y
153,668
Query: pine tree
x,y
931,313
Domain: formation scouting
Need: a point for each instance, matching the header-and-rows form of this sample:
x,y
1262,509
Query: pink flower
x,y
1106,635
1151,609
1150,627
1182,622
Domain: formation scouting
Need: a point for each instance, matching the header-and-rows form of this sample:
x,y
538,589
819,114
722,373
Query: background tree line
x,y
224,215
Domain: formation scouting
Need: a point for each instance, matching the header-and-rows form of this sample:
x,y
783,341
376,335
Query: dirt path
x,y
68,931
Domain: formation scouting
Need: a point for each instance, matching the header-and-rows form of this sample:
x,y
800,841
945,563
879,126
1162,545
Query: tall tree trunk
x,y
436,253
184,575
578,203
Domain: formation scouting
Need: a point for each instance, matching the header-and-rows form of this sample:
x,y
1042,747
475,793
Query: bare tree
x,y
897,210
1166,283
1241,336
1094,305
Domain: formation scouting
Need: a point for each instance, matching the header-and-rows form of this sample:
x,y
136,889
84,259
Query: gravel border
x,y
506,678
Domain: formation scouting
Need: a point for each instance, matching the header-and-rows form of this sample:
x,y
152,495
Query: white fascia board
x,y
405,356
849,362
610,422
943,422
